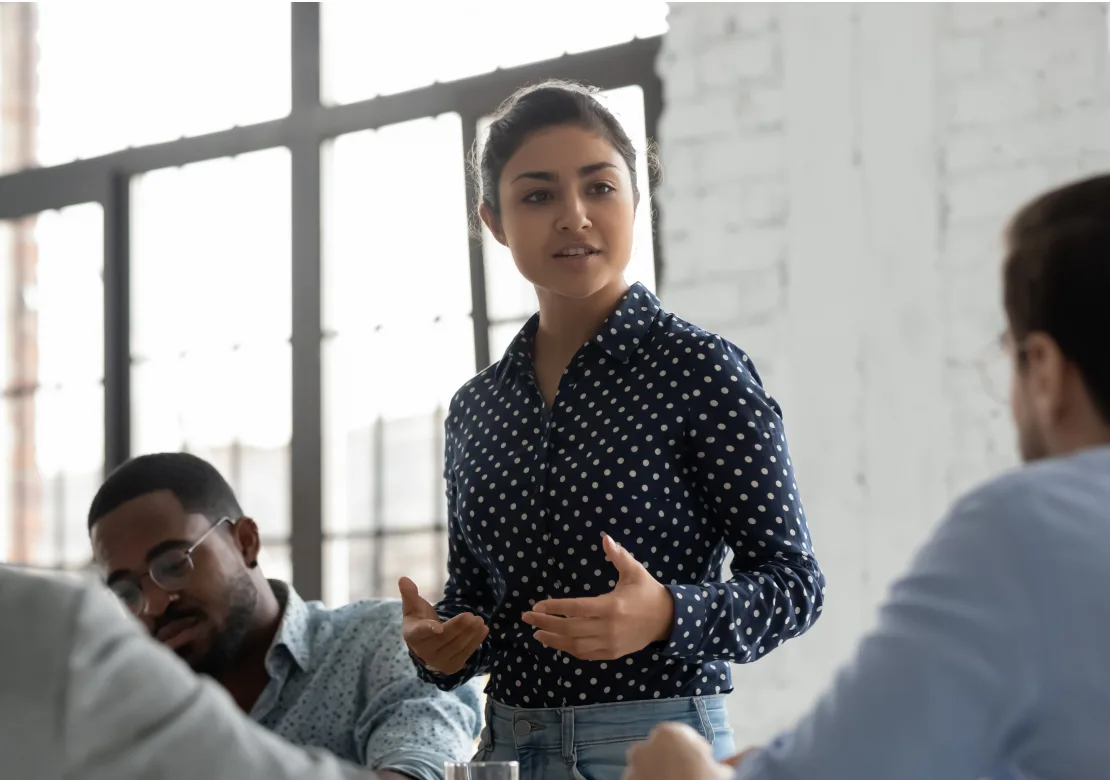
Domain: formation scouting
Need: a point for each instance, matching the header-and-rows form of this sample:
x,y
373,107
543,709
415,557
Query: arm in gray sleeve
x,y
134,710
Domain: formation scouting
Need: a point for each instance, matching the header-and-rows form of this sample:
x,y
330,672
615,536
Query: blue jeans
x,y
589,743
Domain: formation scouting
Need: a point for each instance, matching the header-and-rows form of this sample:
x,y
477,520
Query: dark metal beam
x,y
653,110
306,448
40,189
479,311
117,321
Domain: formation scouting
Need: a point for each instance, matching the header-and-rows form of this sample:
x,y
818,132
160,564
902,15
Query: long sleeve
x,y
741,465
406,726
949,676
134,710
468,587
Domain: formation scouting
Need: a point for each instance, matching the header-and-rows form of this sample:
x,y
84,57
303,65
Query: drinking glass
x,y
483,770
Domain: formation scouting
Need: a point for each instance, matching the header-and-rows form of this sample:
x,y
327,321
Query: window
x,y
52,432
210,324
399,341
259,261
365,57
104,70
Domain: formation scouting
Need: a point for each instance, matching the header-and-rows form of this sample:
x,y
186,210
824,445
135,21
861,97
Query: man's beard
x,y
242,599
1032,443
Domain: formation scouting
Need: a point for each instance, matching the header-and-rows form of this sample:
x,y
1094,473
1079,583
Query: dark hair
x,y
196,483
1056,278
535,108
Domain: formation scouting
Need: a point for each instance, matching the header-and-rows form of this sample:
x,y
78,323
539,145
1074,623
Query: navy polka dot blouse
x,y
662,436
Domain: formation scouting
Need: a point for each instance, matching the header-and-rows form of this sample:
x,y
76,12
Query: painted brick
x,y
846,173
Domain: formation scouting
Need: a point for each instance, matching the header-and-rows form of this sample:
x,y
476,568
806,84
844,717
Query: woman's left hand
x,y
637,612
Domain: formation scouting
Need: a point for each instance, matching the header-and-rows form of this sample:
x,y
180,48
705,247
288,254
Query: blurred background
x,y
241,230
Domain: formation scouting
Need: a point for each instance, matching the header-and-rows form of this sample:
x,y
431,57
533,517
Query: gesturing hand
x,y
637,612
443,647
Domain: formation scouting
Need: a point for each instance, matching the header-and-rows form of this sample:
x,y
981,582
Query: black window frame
x,y
309,125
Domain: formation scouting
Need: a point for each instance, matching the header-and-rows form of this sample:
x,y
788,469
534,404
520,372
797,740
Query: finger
x,y
458,659
586,649
411,601
627,566
739,758
632,762
463,639
572,627
594,607
421,630
450,632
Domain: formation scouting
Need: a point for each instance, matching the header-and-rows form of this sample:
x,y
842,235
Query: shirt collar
x,y
292,633
618,337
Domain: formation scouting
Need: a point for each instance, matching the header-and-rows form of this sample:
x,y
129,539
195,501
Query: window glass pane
x,y
51,363
386,398
422,557
508,295
501,336
114,75
362,568
349,566
364,56
53,449
275,560
395,226
210,258
231,407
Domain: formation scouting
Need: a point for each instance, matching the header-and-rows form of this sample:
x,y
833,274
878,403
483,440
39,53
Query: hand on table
x,y
442,646
674,752
637,612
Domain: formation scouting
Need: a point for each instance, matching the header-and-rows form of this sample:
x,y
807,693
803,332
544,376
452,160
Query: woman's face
x,y
567,212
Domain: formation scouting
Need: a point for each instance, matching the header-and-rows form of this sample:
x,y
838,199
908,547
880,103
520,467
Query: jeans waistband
x,y
563,727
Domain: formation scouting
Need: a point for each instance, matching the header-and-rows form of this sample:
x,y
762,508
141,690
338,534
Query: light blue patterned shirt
x,y
342,679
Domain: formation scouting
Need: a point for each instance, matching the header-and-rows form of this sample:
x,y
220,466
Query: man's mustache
x,y
174,614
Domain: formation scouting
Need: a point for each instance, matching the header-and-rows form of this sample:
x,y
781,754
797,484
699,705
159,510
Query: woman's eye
x,y
603,188
537,197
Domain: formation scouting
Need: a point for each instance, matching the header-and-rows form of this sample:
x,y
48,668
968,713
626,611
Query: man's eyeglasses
x,y
169,570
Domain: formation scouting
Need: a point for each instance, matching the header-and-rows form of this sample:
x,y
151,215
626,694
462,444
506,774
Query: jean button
x,y
522,728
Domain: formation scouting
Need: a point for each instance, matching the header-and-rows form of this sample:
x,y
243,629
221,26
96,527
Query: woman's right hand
x,y
442,646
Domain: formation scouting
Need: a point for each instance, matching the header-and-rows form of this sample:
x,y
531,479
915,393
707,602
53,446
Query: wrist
x,y
665,611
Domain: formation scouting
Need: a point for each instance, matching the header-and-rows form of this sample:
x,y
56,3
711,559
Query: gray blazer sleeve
x,y
134,710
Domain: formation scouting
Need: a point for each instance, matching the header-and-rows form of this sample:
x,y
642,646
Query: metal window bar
x,y
106,180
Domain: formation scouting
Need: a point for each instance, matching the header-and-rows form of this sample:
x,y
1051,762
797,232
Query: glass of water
x,y
483,770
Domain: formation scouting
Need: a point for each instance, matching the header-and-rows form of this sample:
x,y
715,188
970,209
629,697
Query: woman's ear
x,y
493,222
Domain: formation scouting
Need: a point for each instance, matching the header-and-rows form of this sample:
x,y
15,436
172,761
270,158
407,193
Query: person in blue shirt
x,y
990,657
597,476
179,553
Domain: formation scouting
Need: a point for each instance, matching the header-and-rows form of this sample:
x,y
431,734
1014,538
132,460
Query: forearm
x,y
746,617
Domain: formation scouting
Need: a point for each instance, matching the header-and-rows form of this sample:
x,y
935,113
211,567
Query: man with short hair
x,y
85,694
179,553
990,657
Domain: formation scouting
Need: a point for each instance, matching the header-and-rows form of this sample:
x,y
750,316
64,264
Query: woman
x,y
597,476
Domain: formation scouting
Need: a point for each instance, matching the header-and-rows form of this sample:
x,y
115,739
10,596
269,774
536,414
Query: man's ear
x,y
247,540
1046,369
493,222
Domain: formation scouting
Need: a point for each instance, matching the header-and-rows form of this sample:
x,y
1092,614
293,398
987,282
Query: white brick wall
x,y
836,180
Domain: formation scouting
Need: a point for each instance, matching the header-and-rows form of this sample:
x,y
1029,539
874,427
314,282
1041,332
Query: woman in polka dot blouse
x,y
598,474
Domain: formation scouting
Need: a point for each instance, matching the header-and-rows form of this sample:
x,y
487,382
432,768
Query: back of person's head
x,y
1056,279
541,107
197,485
